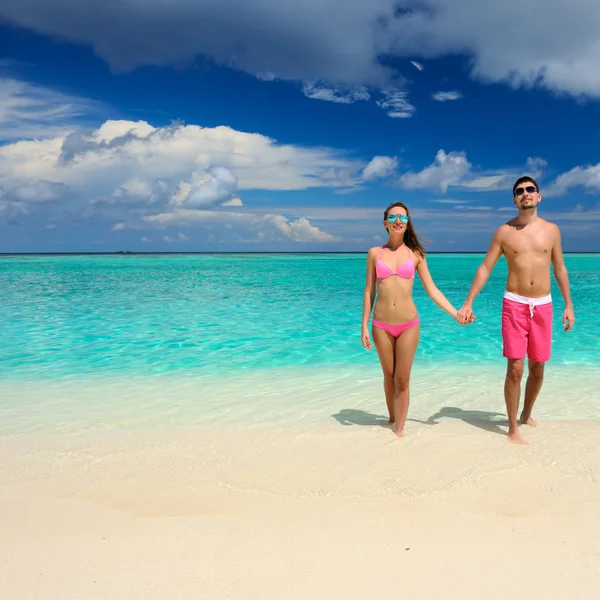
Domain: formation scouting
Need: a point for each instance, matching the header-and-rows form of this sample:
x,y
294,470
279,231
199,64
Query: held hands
x,y
365,339
465,315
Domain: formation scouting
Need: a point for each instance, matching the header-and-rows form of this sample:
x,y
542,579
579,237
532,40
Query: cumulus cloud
x,y
396,104
319,90
37,192
124,171
297,40
446,96
454,170
301,230
125,163
220,187
447,169
380,166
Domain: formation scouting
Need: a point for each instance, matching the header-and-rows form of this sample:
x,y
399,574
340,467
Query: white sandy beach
x,y
290,512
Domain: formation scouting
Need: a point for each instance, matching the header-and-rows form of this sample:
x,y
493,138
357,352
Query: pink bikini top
x,y
406,270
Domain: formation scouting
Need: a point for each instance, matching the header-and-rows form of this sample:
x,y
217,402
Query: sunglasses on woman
x,y
530,189
394,218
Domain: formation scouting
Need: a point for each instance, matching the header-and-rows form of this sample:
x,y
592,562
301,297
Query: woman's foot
x,y
514,437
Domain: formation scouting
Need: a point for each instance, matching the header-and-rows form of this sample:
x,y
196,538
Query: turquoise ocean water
x,y
151,314
110,342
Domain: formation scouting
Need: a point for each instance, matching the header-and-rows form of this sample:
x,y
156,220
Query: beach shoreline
x,y
452,510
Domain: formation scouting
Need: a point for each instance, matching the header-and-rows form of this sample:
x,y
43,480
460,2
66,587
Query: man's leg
x,y
539,351
512,392
532,389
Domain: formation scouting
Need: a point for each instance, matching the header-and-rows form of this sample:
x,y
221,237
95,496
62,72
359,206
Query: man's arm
x,y
562,279
483,273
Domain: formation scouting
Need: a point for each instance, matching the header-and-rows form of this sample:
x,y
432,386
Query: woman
x,y
391,272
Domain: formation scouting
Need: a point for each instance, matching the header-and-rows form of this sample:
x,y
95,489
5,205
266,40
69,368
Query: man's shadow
x,y
477,418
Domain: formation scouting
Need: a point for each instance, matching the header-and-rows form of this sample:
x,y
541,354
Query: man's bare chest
x,y
520,243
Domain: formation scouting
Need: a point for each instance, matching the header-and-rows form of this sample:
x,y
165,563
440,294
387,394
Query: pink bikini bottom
x,y
395,330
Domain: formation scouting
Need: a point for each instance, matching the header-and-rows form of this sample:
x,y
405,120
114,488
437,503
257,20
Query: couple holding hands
x,y
528,243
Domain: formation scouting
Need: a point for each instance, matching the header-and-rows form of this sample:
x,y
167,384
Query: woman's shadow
x,y
477,418
354,416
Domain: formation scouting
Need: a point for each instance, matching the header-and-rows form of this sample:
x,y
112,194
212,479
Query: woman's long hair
x,y
411,239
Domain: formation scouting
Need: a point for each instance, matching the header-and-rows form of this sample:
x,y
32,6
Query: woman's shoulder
x,y
374,253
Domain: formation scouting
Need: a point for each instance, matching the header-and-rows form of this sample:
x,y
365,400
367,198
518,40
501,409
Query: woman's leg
x,y
384,342
406,348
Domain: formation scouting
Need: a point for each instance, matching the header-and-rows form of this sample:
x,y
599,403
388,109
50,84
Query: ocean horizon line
x,y
234,252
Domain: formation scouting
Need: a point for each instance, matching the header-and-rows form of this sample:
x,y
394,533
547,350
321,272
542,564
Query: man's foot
x,y
528,421
399,432
514,437
392,420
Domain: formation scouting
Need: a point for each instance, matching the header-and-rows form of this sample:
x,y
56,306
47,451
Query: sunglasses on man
x,y
394,218
530,189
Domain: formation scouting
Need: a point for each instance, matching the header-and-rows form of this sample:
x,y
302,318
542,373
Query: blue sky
x,y
228,126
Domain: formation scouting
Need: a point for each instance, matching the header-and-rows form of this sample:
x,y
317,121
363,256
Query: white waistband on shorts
x,y
531,302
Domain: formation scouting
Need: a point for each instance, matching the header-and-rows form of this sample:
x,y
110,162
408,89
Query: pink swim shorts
x,y
527,327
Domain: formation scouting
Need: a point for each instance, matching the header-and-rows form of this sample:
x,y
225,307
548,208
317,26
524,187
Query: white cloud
x,y
181,237
417,65
30,111
396,105
145,239
235,201
446,96
448,169
301,230
380,166
38,192
490,182
220,187
586,177
267,226
319,90
125,168
119,227
454,170
535,166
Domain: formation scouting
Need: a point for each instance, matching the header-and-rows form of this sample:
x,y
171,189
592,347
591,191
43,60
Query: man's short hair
x,y
521,180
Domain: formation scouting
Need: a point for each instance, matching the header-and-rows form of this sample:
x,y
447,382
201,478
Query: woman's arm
x,y
369,297
432,290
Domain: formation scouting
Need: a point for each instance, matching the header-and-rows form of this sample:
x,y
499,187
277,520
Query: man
x,y
529,244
